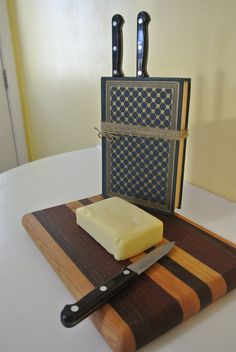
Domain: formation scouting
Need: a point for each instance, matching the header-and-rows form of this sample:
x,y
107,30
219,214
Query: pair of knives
x,y
74,313
143,20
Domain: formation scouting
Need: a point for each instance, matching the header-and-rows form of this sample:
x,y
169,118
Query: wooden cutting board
x,y
199,270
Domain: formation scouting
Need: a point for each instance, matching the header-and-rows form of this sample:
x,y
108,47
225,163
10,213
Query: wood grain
x,y
98,265
203,272
202,290
189,302
211,233
200,269
108,322
74,205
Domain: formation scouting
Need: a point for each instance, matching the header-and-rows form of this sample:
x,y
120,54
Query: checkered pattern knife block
x,y
145,169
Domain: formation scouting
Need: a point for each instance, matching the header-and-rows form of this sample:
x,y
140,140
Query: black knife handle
x,y
117,45
143,20
72,314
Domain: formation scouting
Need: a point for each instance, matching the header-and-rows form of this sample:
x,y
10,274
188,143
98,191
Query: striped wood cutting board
x,y
199,270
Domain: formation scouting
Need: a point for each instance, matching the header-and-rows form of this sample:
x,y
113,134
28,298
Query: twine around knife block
x,y
109,136
111,131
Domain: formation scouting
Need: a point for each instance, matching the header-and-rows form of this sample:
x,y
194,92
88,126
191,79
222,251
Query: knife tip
x,y
171,244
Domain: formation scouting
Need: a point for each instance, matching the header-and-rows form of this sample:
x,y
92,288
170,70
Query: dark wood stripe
x,y
85,201
230,278
216,254
142,301
202,290
207,231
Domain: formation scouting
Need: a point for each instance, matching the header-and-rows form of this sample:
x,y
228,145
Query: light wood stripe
x,y
96,198
185,295
74,205
114,329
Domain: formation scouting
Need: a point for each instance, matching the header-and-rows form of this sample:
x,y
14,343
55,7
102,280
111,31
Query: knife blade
x,y
74,313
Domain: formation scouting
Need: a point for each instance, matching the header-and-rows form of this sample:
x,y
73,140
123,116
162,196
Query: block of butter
x,y
122,228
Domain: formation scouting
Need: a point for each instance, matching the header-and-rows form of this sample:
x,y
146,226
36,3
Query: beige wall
x,y
65,48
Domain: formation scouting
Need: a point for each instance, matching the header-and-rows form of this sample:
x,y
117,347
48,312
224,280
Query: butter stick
x,y
122,228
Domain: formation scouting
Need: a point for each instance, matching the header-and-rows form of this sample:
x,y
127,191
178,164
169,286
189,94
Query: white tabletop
x,y
32,295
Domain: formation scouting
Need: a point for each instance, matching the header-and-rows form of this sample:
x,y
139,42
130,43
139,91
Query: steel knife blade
x,y
74,313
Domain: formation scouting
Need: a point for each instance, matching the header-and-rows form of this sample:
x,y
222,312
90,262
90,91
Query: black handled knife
x,y
117,45
72,314
143,20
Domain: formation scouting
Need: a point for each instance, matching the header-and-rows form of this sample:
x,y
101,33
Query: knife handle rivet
x,y
114,23
139,73
140,47
103,288
115,72
74,308
140,21
126,272
114,48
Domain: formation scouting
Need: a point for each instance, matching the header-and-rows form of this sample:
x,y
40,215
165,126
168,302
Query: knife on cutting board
x,y
74,313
